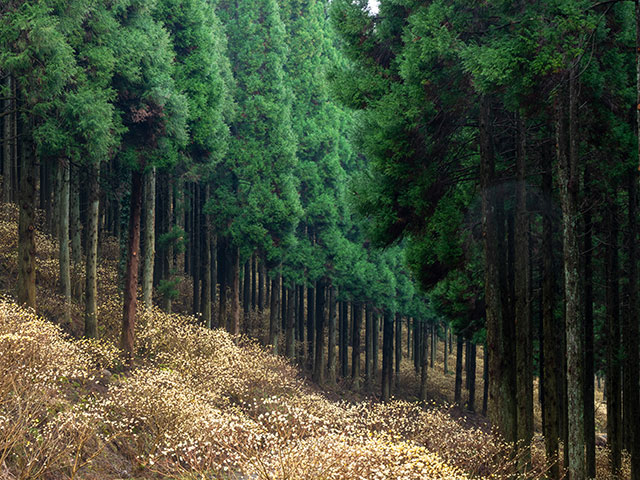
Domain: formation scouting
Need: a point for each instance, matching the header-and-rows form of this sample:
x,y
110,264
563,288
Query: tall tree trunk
x,y
501,404
207,274
127,338
65,264
368,342
387,356
76,237
196,252
246,295
471,376
424,356
331,355
589,392
398,345
524,342
274,318
434,343
569,184
485,379
614,384
91,277
356,349
26,226
149,236
311,325
7,144
254,281
262,271
457,395
290,334
319,363
446,350
343,341
550,386
375,327
235,290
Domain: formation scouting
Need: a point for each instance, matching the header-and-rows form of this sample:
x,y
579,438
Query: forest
x,y
319,239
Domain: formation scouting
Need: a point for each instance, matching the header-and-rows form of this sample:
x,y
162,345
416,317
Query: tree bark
x,y
550,386
457,395
91,277
446,350
568,186
368,360
207,274
65,263
127,339
235,290
398,344
311,325
274,318
375,341
485,380
424,356
149,236
471,375
331,355
501,401
76,237
27,227
387,356
290,338
355,352
319,363
614,383
343,341
524,343
7,144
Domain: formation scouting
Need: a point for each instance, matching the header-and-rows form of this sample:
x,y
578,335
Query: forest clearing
x,y
319,239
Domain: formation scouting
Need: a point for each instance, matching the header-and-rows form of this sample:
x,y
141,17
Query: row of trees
x,y
202,136
504,135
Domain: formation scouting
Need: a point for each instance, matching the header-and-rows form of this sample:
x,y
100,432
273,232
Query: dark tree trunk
x,y
485,381
501,402
149,236
65,259
127,338
568,163
343,341
368,341
235,290
207,274
26,226
262,275
457,396
614,384
311,325
290,334
387,356
471,376
274,314
7,144
446,350
375,340
91,279
355,352
524,342
589,400
424,355
398,338
196,237
246,296
331,355
550,386
319,362
76,237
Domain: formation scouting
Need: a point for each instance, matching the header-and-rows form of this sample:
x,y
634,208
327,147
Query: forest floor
x,y
200,404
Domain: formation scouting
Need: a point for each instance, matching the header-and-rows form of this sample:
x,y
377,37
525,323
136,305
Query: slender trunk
x,y
261,285
356,350
446,350
434,343
614,384
7,150
254,281
149,236
127,338
319,363
26,226
368,342
274,319
246,295
589,393
76,237
65,264
524,343
457,398
424,355
569,184
550,385
387,356
290,337
207,274
471,376
91,284
398,344
215,279
485,380
501,405
235,290
311,325
331,355
344,341
375,327
195,262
